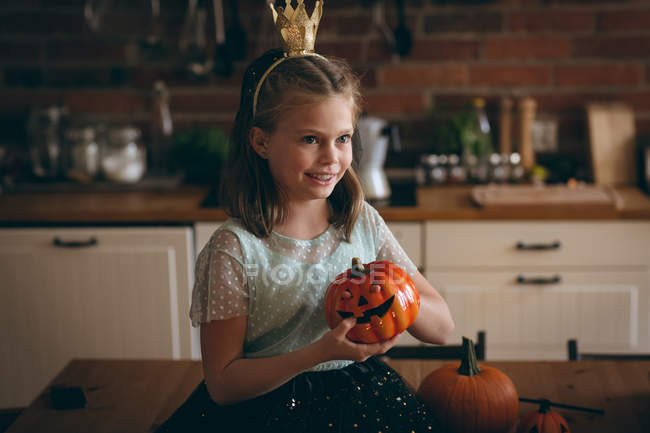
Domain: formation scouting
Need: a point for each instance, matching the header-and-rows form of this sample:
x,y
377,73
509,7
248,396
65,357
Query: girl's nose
x,y
329,152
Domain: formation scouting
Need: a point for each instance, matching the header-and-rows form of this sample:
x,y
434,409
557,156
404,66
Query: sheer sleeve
x,y
220,289
387,246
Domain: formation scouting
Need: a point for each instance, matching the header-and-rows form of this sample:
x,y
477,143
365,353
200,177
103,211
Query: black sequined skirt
x,y
363,397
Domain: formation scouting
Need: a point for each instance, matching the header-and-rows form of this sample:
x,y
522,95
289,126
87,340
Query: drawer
x,y
604,310
503,243
409,236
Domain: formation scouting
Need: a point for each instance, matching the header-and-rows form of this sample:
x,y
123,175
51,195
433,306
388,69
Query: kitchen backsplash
x,y
563,53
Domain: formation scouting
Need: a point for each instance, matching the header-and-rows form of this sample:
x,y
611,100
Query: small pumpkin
x,y
543,420
380,295
468,398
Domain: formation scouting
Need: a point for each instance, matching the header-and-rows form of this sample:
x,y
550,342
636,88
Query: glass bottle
x,y
83,157
159,160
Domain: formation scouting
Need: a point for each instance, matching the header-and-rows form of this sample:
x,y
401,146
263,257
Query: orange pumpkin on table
x,y
380,295
468,398
543,420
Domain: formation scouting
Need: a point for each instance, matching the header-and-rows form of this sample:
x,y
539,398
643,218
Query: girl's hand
x,y
335,344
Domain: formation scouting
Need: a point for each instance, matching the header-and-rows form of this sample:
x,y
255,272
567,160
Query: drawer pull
x,y
74,244
555,245
555,279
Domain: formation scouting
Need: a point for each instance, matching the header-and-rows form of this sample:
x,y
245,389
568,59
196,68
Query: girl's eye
x,y
344,138
310,139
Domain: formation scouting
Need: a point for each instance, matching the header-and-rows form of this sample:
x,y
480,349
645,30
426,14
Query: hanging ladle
x,y
403,39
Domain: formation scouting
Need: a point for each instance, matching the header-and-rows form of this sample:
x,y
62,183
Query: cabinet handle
x,y
74,244
555,245
555,279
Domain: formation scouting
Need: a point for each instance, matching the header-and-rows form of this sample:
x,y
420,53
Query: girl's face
x,y
310,149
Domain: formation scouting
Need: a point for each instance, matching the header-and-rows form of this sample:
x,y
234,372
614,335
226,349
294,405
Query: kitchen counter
x,y
183,206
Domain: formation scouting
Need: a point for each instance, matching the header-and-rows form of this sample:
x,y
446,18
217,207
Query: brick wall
x,y
564,53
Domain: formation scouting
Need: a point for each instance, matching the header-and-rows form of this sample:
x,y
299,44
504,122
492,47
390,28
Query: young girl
x,y
297,219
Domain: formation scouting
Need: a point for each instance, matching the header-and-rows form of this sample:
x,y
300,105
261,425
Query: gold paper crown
x,y
296,28
298,33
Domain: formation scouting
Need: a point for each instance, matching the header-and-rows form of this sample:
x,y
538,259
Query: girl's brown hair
x,y
247,188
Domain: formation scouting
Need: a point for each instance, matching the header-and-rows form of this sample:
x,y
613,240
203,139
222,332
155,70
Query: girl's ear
x,y
259,140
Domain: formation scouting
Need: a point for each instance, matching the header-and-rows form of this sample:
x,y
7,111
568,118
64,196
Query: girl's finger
x,y
345,325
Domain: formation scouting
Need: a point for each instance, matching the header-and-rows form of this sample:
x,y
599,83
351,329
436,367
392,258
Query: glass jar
x,y
125,158
83,154
457,173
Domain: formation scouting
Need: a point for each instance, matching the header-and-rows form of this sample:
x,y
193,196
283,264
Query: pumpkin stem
x,y
358,270
468,363
545,407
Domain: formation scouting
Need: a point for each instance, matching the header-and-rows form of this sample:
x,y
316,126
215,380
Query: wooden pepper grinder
x,y
526,109
505,126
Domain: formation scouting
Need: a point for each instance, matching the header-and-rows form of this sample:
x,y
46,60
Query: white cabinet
x,y
533,285
89,293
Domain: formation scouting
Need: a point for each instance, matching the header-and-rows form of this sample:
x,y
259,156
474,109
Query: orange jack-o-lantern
x,y
381,296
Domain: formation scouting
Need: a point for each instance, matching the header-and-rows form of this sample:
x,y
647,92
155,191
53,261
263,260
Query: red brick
x,y
504,75
14,100
555,102
473,21
524,48
629,19
642,126
21,51
206,101
110,101
185,123
598,75
358,24
552,20
368,76
145,77
431,75
639,101
394,102
41,23
89,51
612,47
444,49
349,50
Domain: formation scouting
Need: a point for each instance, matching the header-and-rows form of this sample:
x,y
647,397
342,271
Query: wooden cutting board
x,y
612,139
585,197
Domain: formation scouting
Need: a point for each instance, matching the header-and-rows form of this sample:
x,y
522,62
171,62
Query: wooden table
x,y
136,396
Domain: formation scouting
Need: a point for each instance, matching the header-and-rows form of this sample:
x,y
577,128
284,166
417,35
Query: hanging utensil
x,y
403,39
222,60
236,35
94,12
379,22
193,43
152,45
155,32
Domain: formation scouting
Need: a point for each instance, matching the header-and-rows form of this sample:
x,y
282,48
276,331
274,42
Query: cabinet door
x,y
124,295
530,314
202,233
409,236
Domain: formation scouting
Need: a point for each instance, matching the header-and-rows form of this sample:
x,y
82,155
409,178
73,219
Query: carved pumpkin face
x,y
380,295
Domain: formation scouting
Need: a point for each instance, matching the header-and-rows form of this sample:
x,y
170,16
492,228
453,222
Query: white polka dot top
x,y
280,282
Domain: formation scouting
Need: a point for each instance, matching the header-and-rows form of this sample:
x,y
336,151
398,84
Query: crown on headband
x,y
296,28
298,33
